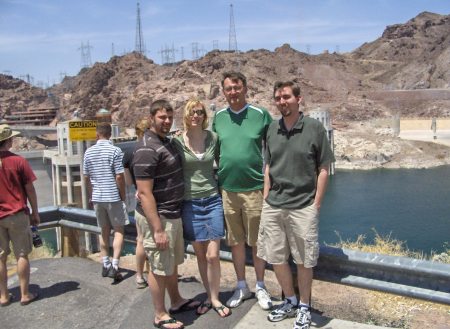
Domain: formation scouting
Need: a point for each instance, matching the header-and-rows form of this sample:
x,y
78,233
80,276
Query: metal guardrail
x,y
398,275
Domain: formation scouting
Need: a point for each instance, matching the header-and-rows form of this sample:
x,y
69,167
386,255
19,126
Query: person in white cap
x,y
16,184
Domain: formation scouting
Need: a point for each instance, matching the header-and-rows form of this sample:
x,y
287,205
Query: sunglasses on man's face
x,y
198,112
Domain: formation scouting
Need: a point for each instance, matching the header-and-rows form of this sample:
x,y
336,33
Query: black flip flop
x,y
10,298
162,324
185,307
222,308
204,304
36,297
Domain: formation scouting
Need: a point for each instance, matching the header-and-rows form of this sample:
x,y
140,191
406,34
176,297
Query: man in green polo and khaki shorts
x,y
241,128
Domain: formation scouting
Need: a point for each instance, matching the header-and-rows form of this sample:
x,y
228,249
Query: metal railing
x,y
398,275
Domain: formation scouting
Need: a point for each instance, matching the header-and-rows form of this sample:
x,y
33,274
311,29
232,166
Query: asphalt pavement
x,y
74,295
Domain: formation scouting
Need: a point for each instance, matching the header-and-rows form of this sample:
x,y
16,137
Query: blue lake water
x,y
411,205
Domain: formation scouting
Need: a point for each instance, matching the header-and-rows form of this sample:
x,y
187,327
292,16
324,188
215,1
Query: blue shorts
x,y
203,219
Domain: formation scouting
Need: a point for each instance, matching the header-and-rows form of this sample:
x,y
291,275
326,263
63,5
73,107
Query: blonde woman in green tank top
x,y
202,212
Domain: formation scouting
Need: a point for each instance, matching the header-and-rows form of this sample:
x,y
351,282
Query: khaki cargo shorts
x,y
289,231
242,212
163,262
16,228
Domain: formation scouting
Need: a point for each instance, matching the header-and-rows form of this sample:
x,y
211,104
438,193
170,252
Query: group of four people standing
x,y
271,207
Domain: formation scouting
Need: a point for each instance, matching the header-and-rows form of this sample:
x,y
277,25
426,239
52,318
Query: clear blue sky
x,y
42,37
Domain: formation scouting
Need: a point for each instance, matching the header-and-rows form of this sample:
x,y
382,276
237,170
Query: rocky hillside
x,y
415,55
354,87
17,95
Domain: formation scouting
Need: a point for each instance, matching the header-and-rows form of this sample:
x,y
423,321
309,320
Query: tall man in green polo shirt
x,y
241,128
298,155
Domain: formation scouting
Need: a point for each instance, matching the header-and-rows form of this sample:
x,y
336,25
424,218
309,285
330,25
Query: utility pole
x,y
232,42
140,46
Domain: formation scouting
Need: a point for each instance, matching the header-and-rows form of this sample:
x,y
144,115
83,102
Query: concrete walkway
x,y
74,295
256,318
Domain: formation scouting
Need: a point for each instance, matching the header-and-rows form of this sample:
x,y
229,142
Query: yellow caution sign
x,y
82,130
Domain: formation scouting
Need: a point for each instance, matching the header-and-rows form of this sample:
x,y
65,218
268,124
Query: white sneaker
x,y
303,319
238,297
264,299
283,311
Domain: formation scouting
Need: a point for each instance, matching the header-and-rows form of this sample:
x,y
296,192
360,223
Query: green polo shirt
x,y
240,137
294,158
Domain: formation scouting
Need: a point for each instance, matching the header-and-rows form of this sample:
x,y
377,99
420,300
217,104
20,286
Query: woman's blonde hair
x,y
141,127
190,105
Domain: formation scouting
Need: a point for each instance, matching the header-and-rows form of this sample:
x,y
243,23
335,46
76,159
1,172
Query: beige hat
x,y
6,132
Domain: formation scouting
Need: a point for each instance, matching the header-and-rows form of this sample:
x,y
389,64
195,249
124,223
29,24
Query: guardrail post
x,y
70,242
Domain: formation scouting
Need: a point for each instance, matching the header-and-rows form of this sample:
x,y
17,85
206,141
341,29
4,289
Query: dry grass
x,y
387,245
398,311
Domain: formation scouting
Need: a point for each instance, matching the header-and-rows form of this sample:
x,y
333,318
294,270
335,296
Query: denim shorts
x,y
203,219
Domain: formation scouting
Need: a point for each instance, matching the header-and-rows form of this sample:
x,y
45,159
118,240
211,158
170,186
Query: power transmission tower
x,y
27,78
112,50
195,51
215,45
232,43
85,55
140,46
182,53
62,75
168,55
